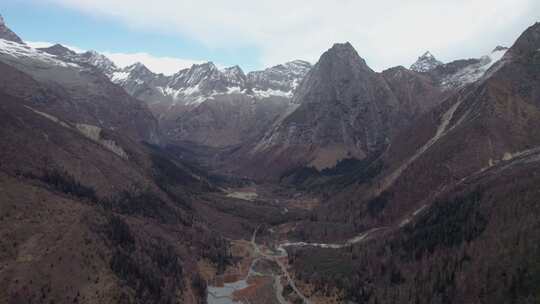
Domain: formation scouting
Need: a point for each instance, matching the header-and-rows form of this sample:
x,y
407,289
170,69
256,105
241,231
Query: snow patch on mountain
x,y
205,81
280,78
119,76
22,51
425,63
271,92
99,61
192,85
474,72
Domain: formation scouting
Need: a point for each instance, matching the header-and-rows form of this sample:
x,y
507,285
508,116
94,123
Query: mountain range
x,y
324,183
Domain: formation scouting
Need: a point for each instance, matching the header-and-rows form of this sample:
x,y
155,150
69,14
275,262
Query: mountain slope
x,y
7,34
454,201
177,100
459,73
477,242
472,129
74,92
343,110
425,63
95,214
89,212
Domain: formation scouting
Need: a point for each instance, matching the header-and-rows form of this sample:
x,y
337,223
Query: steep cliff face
x,y
225,107
417,93
343,109
7,34
488,122
453,196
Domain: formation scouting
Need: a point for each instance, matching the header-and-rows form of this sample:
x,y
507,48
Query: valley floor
x,y
262,273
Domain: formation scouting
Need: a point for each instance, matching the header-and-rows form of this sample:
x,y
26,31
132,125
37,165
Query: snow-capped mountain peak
x,y
428,54
234,71
425,63
138,68
281,79
192,85
474,71
58,50
235,76
100,61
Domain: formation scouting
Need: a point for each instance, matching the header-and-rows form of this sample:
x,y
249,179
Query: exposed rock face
x,y
59,50
284,77
214,107
493,120
458,73
256,99
223,108
425,63
103,63
470,163
344,110
8,34
417,93
225,120
528,42
73,90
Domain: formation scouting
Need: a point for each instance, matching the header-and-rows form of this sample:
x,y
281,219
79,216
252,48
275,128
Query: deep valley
x,y
299,183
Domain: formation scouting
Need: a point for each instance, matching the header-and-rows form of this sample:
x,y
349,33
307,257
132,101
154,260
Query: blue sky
x,y
46,22
168,34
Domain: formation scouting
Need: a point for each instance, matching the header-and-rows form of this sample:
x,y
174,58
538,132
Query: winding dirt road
x,y
283,268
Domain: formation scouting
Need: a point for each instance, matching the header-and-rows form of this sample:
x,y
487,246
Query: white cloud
x,y
385,32
165,65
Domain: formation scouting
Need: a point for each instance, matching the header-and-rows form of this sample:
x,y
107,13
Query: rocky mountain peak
x,y
342,59
100,61
8,34
340,74
425,63
282,77
235,76
428,54
528,42
298,62
194,75
499,48
234,70
58,50
138,68
138,71
95,56
342,52
343,47
296,67
207,66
